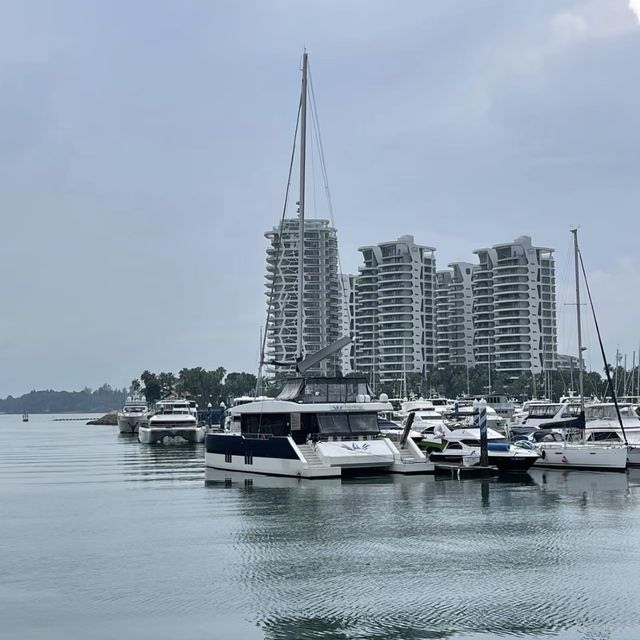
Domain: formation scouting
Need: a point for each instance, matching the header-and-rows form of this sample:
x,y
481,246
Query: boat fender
x,y
544,455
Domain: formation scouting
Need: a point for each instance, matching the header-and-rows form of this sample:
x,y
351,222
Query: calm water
x,y
105,538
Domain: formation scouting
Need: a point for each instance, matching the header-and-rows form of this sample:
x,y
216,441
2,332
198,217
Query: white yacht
x,y
315,428
556,452
134,413
459,445
554,448
603,426
425,419
173,421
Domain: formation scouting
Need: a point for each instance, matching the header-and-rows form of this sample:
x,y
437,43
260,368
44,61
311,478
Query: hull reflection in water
x,y
574,482
217,477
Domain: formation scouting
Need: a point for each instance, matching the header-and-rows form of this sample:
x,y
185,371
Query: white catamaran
x,y
317,427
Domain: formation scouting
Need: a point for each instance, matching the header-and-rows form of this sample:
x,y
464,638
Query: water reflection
x,y
418,557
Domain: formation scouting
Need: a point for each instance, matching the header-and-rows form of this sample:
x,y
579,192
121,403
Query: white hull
x,y
633,455
582,456
326,459
130,423
171,435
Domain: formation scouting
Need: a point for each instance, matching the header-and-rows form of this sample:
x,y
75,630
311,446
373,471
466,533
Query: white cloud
x,y
634,5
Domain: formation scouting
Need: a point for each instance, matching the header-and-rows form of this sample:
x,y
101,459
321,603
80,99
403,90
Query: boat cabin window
x,y
454,445
600,436
542,436
544,411
348,423
607,412
316,391
275,424
470,442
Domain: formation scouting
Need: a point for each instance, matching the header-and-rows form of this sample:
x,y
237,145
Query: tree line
x,y
451,381
199,384
101,400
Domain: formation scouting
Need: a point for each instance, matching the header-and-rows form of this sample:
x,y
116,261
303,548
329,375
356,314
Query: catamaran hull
x,y
587,457
281,456
169,435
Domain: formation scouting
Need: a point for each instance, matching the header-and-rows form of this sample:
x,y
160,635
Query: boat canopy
x,y
323,390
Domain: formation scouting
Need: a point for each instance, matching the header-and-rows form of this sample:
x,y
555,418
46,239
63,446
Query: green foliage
x,y
453,381
152,389
239,384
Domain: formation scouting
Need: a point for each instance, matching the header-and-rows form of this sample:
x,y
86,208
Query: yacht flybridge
x,y
315,428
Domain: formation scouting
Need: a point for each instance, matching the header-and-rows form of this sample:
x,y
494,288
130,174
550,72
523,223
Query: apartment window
x,y
228,457
248,458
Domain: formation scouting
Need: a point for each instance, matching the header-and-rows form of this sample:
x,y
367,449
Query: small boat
x,y
134,413
25,417
173,421
461,445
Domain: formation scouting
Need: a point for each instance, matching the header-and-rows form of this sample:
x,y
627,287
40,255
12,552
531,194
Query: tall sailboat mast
x,y
303,153
578,319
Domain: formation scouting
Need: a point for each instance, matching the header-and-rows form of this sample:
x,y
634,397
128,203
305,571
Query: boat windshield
x,y
607,412
544,411
472,442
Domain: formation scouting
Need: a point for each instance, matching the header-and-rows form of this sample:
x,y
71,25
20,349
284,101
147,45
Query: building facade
x,y
395,310
347,317
454,316
514,308
322,317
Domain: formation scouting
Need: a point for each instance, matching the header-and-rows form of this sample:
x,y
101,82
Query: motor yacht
x,y
173,421
134,413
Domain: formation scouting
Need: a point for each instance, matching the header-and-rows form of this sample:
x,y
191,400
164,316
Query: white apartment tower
x,y
454,316
322,310
395,310
514,308
347,324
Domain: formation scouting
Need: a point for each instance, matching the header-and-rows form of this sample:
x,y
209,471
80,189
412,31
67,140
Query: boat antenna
x,y
303,153
604,355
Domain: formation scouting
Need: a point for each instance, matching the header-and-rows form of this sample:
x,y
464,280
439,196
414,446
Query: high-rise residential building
x,y
322,309
347,326
395,310
444,279
514,308
454,316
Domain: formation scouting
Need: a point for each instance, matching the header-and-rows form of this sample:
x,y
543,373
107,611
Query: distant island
x,y
199,384
101,400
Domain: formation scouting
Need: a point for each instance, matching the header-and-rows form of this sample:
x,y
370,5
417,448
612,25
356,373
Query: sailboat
x,y
317,427
559,452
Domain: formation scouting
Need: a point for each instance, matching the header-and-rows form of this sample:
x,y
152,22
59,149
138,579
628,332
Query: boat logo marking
x,y
354,446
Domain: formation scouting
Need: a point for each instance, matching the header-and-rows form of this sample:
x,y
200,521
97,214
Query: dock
x,y
465,471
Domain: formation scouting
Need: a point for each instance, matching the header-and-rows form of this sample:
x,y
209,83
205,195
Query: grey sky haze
x,y
144,150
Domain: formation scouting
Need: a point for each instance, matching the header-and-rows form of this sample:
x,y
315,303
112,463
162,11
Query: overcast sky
x,y
144,150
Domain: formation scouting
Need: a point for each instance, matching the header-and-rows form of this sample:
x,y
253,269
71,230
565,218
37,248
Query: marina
x,y
373,556
233,410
